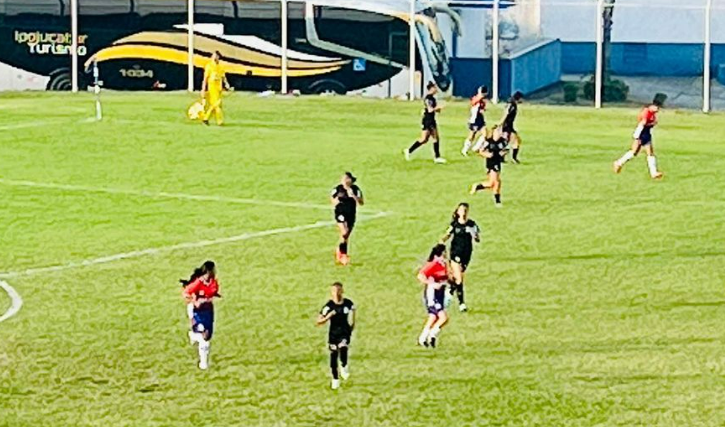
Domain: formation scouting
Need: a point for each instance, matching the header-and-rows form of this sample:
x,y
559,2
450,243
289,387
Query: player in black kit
x,y
464,232
340,312
346,197
429,126
494,151
508,125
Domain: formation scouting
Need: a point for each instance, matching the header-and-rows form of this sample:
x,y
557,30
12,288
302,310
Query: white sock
x,y
190,310
629,155
435,331
467,146
424,335
195,337
204,348
479,143
652,164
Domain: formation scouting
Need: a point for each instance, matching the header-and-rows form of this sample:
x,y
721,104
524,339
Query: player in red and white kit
x,y
476,121
434,276
643,138
201,293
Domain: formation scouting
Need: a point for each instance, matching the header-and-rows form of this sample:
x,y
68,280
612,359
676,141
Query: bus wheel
x,y
59,80
328,86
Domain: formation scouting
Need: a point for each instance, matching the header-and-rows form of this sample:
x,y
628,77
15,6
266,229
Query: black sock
x,y
497,197
437,149
480,187
343,356
343,248
452,286
516,154
416,145
459,290
333,364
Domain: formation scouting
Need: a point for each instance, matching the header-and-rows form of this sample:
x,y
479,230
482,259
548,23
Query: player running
x,y
508,127
643,138
464,232
494,151
434,276
215,81
476,121
429,126
346,197
201,293
340,312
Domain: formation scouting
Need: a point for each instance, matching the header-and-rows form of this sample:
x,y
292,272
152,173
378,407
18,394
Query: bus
x,y
333,45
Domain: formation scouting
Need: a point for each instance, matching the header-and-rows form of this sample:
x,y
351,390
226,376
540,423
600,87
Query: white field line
x,y
38,123
165,249
162,194
15,301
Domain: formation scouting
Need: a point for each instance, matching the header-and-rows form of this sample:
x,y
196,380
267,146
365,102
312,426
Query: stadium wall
x,y
642,59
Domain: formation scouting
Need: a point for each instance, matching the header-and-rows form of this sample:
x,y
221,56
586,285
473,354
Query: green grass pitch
x,y
597,299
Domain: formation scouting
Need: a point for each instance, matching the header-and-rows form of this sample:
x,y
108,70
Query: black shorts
x,y
645,137
343,216
477,126
461,257
429,124
335,342
508,129
492,166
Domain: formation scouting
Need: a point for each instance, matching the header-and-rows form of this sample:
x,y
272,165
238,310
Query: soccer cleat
x,y
344,373
474,189
440,161
335,384
344,259
203,366
406,154
463,308
338,256
206,122
433,341
617,167
515,161
422,342
498,205
658,175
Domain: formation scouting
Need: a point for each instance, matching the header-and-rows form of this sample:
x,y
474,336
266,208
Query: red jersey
x,y
436,270
648,116
478,107
203,289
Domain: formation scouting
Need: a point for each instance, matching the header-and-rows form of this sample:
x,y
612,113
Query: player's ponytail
x,y
198,272
437,251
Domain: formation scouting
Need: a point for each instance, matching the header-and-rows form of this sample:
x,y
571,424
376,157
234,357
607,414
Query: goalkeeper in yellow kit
x,y
215,80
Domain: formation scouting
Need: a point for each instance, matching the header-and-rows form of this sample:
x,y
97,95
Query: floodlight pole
x,y
411,56
74,44
284,46
495,53
707,59
190,47
599,72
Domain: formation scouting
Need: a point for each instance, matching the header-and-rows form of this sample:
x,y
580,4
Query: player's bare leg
x,y
341,256
652,162
423,338
436,329
629,155
457,285
514,138
468,143
437,148
497,190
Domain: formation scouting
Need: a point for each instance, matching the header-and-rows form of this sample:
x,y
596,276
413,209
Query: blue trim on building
x,y
642,59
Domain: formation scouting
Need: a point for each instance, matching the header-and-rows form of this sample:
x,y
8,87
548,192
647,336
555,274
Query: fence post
x,y
706,77
411,53
495,53
599,72
190,47
284,46
74,44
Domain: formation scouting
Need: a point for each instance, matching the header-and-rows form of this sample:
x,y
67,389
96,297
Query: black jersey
x,y
346,204
512,110
340,322
429,103
497,148
463,236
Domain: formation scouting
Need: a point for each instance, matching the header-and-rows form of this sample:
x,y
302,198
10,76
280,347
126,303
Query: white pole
x,y
706,71
599,72
74,44
495,52
190,47
411,59
284,46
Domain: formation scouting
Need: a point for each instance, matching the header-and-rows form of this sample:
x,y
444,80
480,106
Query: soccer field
x,y
596,299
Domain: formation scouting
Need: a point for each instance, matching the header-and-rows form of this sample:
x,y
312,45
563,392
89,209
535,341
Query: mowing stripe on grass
x,y
162,194
165,249
15,301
